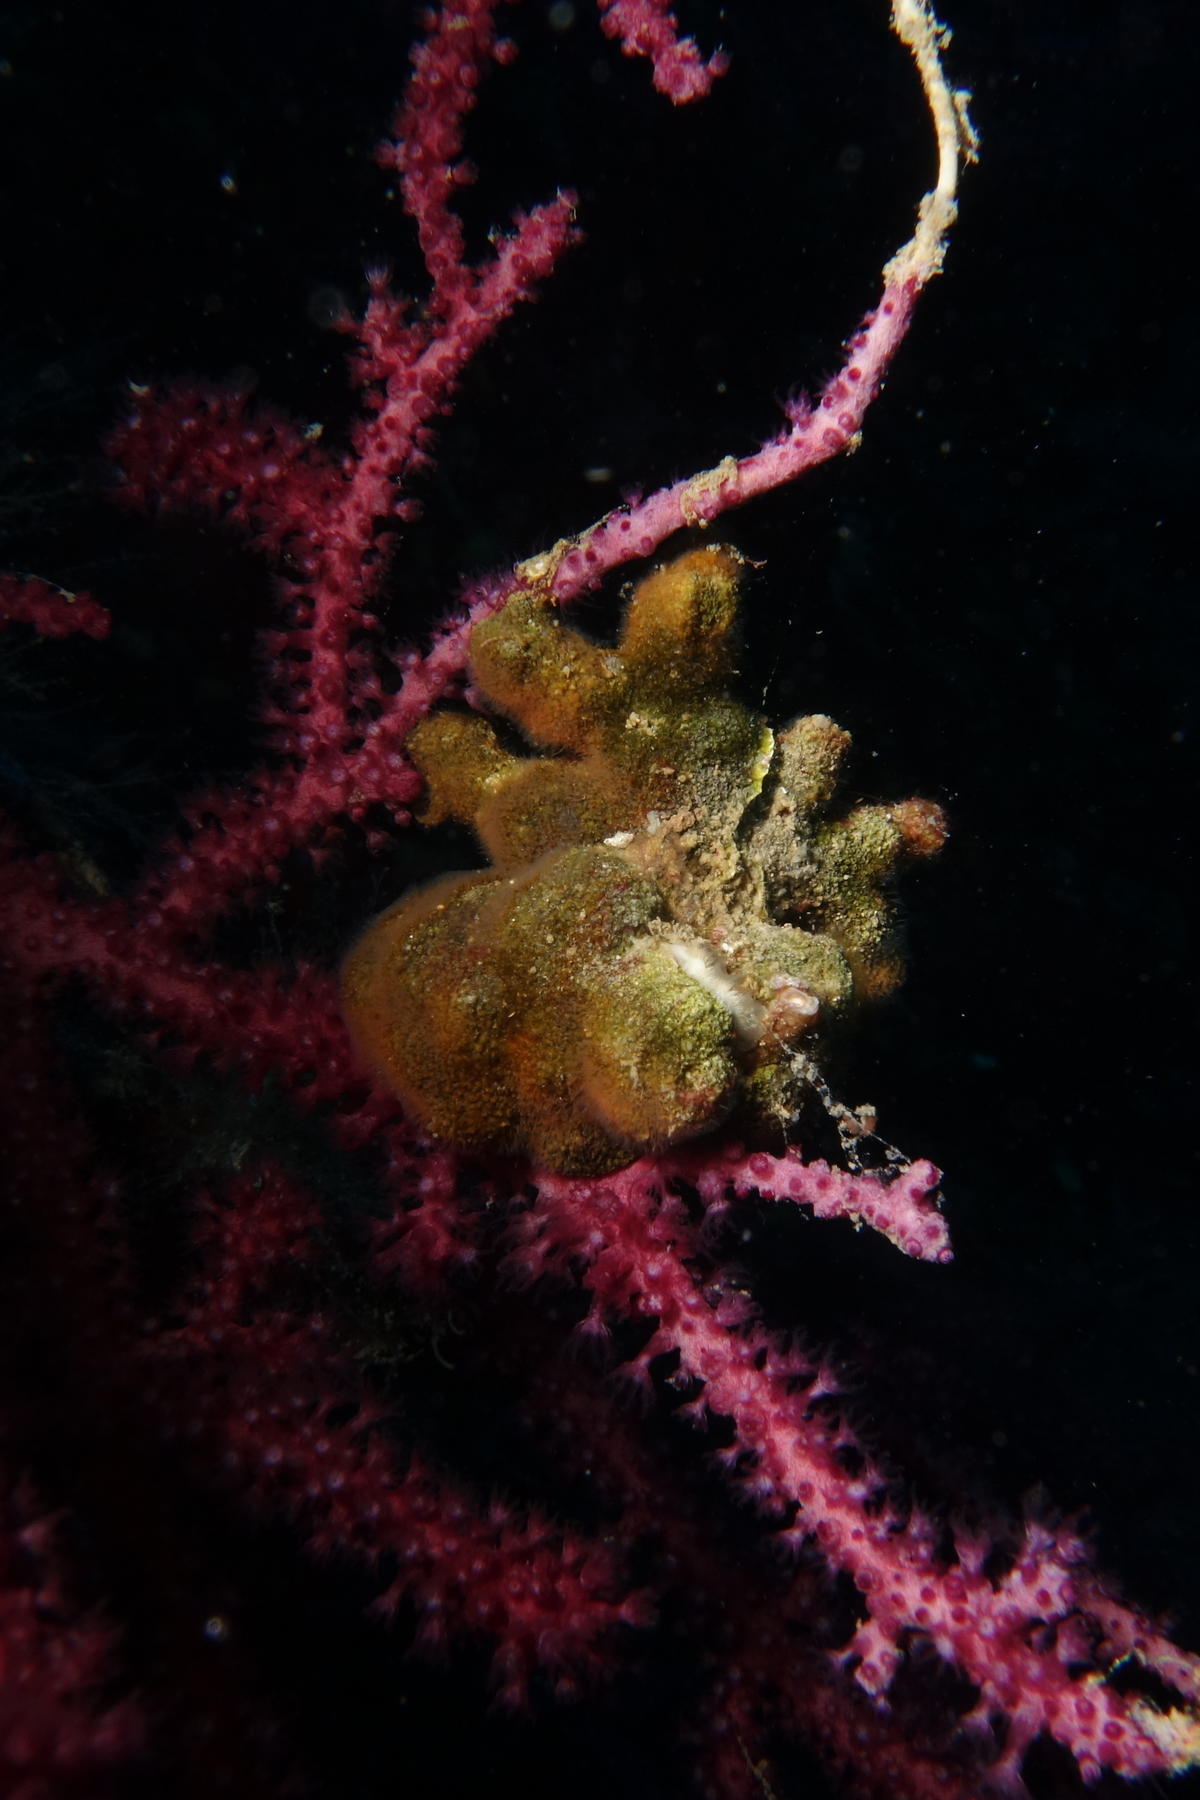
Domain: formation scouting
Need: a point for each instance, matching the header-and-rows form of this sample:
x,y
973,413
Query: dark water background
x,y
997,595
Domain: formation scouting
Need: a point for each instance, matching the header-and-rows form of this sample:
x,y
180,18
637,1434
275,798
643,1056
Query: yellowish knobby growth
x,y
676,908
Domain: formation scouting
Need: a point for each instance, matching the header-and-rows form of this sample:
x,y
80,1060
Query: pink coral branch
x,y
812,436
1036,1642
52,611
57,1665
649,28
825,1603
269,1409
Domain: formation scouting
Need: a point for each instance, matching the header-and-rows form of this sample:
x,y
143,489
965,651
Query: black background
x,y
996,594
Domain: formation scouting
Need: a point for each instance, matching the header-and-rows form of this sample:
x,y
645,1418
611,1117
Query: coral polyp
x,y
676,917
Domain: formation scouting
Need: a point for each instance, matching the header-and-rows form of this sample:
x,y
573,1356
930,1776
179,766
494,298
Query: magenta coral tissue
x,y
438,1305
